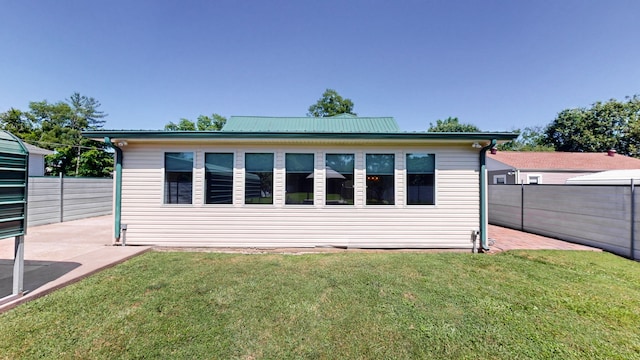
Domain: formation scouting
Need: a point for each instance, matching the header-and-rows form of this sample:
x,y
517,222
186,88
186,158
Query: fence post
x,y
522,207
633,220
61,197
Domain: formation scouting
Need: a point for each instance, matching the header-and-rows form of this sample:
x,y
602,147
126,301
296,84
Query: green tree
x,y
214,122
530,139
58,127
451,124
331,104
603,126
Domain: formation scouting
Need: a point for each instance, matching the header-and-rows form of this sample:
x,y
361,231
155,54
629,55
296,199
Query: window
x,y
299,180
218,169
421,179
380,180
534,179
499,179
258,179
339,179
178,177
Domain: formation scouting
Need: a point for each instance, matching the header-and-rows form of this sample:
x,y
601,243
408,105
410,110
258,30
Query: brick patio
x,y
509,239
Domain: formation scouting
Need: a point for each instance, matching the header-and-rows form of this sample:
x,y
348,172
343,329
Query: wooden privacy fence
x,y
602,216
59,199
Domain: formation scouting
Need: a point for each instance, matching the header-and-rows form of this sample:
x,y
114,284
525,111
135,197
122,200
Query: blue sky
x,y
499,65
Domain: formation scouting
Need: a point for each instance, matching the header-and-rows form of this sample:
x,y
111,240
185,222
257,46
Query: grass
x,y
515,305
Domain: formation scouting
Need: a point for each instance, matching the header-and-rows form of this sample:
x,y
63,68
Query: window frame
x,y
434,174
353,193
499,177
306,201
534,176
233,172
273,172
367,174
167,187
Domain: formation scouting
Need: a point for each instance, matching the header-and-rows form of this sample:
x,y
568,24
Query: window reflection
x,y
339,179
420,179
380,179
258,181
299,180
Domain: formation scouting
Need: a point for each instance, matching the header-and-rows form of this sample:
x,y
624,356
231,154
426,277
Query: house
x,y
36,159
343,181
513,167
609,177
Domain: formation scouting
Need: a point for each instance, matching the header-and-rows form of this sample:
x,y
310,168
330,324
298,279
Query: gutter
x,y
484,223
118,199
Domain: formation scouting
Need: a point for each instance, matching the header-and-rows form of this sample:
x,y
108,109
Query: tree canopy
x,y
203,123
530,139
605,125
58,127
331,104
452,124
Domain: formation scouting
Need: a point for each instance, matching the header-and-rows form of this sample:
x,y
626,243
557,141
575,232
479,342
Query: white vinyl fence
x,y
59,199
602,216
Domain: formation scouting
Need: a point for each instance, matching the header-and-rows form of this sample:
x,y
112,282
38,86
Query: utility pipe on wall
x,y
118,185
484,223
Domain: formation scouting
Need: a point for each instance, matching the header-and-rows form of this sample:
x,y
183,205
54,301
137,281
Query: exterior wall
x,y
36,165
549,177
448,224
522,177
55,199
508,175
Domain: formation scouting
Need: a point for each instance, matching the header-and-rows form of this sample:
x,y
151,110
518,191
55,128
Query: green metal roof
x,y
344,123
10,144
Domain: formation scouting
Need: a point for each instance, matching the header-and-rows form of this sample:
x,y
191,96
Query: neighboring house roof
x,y
610,177
34,150
344,123
571,161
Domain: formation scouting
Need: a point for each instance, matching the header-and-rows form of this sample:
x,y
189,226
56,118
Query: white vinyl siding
x,y
448,224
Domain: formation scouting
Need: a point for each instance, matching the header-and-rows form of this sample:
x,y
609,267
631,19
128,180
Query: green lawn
x,y
515,305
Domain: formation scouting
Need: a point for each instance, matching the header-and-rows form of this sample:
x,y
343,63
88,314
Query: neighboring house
x,y
36,159
343,181
513,167
609,177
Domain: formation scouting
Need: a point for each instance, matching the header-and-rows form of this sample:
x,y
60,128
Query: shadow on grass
x,y
36,274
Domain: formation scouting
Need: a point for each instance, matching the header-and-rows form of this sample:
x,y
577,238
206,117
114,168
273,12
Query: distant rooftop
x,y
565,160
37,150
344,123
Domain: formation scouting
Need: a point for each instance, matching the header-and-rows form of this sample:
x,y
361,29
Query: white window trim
x,y
530,176
497,177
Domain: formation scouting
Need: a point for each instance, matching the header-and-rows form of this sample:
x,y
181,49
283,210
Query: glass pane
x,y
339,179
259,162
299,163
420,189
299,181
178,183
380,164
258,181
178,187
421,163
420,179
380,179
219,178
180,161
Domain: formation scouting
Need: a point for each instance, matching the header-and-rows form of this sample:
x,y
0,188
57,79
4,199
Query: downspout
x,y
484,223
118,199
